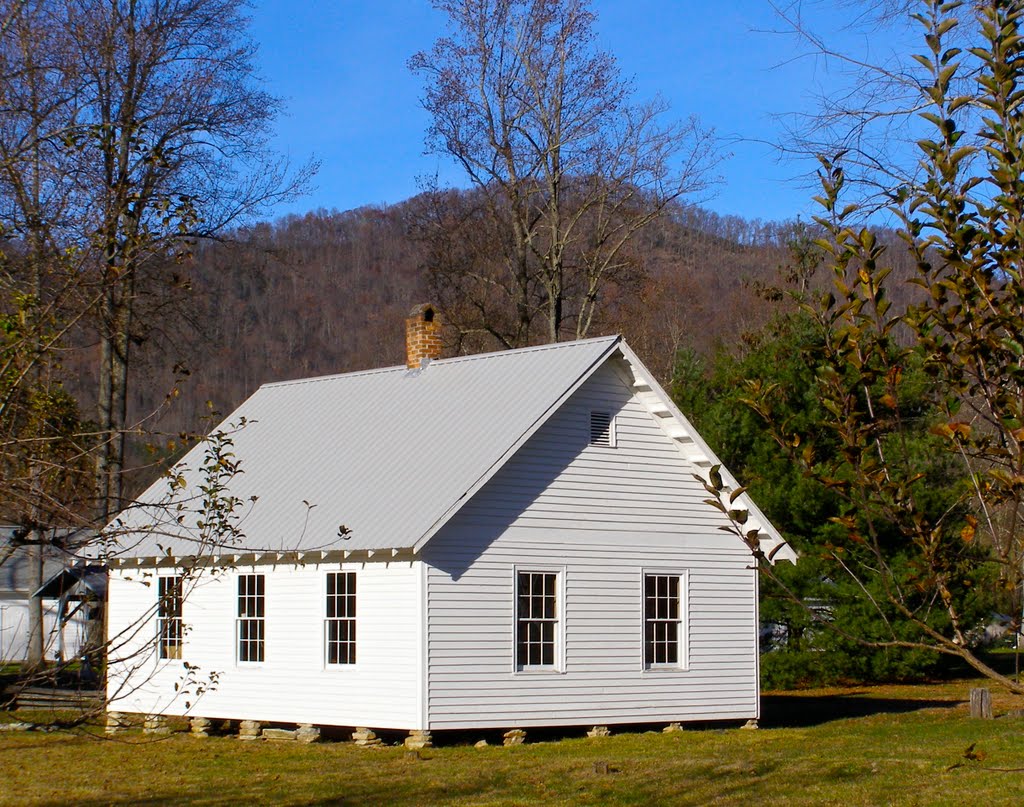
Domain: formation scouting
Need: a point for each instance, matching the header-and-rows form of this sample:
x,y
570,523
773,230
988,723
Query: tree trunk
x,y
34,652
104,416
113,397
981,703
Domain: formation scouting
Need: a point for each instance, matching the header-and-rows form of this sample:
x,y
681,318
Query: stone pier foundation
x,y
365,738
307,733
201,726
249,730
418,739
117,722
156,724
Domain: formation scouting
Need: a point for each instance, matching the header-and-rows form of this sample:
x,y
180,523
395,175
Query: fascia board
x,y
785,552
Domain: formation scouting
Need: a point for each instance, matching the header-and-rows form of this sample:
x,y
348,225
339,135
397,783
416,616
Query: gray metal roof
x,y
389,454
15,572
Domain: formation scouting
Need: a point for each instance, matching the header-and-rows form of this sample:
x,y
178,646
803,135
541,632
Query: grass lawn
x,y
868,745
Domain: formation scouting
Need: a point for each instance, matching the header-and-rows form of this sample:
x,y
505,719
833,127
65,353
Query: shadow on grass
x,y
794,711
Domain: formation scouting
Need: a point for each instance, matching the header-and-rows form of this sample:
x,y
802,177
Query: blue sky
x,y
351,102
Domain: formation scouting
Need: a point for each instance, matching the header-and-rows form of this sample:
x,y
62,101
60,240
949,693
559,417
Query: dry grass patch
x,y
873,745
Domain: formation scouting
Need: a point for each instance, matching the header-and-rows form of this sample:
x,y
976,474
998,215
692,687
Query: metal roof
x,y
76,581
380,460
389,454
15,573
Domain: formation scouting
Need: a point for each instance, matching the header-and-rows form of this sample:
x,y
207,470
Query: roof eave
x,y
773,544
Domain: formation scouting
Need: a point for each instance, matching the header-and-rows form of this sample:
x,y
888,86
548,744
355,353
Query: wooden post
x,y
981,703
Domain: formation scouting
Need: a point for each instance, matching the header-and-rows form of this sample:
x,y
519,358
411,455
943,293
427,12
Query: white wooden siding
x,y
607,515
293,684
14,630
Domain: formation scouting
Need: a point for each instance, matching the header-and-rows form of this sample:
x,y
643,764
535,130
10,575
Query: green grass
x,y
875,745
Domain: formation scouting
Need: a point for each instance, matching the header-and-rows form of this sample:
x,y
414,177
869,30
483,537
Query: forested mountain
x,y
328,292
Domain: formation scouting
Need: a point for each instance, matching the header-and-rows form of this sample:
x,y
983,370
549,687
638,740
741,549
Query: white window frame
x,y
164,621
558,667
612,432
341,665
240,618
683,621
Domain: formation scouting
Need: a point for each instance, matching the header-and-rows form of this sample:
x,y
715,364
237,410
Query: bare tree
x,y
128,129
871,109
962,215
566,168
156,137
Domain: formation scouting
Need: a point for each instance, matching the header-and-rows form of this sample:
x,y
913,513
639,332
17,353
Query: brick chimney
x,y
422,335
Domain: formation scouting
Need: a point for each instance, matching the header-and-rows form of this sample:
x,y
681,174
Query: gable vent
x,y
601,433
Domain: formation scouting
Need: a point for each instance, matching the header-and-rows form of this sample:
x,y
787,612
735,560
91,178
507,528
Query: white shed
x,y
64,627
505,540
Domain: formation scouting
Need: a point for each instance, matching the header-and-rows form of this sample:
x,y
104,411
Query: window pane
x,y
536,618
662,619
251,609
340,630
169,626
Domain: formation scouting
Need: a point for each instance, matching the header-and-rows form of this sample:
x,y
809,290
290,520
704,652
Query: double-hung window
x,y
537,620
664,606
250,625
169,627
340,624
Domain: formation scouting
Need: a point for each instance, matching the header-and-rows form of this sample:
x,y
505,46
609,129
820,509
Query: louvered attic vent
x,y
601,432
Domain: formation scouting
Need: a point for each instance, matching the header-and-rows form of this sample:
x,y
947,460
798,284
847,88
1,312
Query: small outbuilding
x,y
495,541
65,622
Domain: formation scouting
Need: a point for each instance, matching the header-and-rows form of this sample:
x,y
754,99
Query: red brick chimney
x,y
422,335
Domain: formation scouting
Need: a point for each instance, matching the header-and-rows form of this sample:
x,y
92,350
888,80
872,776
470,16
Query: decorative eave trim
x,y
267,558
692,446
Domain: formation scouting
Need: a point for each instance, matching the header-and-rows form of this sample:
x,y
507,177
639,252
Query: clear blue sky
x,y
340,66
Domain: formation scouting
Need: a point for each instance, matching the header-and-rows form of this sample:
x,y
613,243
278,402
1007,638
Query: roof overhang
x,y
260,558
78,580
689,442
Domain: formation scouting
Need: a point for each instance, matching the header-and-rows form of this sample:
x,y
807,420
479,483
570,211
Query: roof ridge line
x,y
451,360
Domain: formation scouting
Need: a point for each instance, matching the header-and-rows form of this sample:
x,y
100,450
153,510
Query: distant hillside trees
x,y
129,128
565,168
328,292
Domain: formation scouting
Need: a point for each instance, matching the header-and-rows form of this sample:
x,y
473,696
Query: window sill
x,y
533,671
664,669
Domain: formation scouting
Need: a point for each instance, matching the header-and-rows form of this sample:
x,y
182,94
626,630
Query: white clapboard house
x,y
495,541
